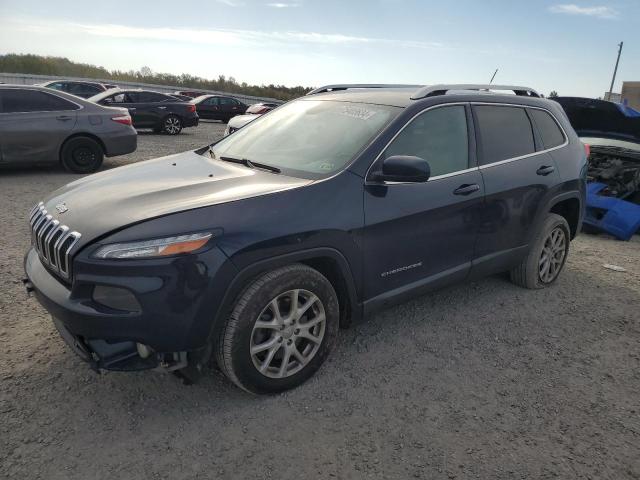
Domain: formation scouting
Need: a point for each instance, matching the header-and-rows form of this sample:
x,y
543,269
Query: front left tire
x,y
280,330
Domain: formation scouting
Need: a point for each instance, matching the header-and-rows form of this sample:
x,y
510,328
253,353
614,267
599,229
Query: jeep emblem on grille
x,y
61,207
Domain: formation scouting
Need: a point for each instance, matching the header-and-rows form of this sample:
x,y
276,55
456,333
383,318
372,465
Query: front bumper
x,y
177,301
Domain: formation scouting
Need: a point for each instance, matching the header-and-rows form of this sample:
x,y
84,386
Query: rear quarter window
x,y
550,133
505,132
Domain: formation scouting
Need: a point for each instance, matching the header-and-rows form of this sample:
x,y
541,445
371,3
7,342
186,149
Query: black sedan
x,y
79,89
218,107
162,113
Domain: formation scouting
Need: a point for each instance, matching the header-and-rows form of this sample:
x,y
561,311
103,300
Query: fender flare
x,y
574,194
250,272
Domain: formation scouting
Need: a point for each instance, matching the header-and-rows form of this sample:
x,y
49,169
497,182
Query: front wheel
x,y
280,331
172,125
547,255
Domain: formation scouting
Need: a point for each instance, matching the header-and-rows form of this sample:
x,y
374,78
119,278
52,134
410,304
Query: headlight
x,y
160,247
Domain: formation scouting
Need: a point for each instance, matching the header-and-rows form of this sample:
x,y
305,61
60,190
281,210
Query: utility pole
x,y
494,76
615,70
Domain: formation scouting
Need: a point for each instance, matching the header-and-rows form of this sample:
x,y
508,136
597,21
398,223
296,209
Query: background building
x,y
631,94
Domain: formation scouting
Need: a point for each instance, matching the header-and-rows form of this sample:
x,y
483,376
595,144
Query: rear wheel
x,y
172,125
280,331
547,255
81,155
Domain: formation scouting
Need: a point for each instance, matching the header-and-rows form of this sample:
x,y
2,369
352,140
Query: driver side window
x,y
439,136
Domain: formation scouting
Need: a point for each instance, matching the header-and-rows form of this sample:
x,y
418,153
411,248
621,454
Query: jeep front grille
x,y
53,241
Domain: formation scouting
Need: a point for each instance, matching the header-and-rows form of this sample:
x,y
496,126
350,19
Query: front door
x,y
423,234
33,125
125,100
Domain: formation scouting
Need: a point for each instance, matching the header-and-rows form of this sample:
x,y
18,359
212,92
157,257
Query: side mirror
x,y
404,168
107,101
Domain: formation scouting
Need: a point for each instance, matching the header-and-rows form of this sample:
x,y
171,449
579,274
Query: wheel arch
x,y
569,206
328,261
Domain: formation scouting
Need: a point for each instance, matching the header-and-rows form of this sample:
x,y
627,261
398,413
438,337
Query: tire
x,y
263,372
81,155
172,125
552,243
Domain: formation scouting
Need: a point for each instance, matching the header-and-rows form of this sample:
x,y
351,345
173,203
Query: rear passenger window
x,y
548,128
505,133
22,101
438,136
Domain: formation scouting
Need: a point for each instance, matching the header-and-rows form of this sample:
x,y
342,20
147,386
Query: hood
x,y
601,119
614,144
100,203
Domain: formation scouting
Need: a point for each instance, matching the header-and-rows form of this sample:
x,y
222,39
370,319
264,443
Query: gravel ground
x,y
482,380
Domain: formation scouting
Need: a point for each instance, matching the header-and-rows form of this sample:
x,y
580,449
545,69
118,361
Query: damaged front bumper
x,y
153,335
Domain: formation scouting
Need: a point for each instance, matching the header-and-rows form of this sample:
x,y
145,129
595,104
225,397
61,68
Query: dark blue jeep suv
x,y
256,249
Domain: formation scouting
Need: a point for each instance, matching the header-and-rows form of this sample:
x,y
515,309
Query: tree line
x,y
60,66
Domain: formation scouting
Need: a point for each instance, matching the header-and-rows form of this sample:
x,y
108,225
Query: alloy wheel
x,y
552,256
172,125
288,333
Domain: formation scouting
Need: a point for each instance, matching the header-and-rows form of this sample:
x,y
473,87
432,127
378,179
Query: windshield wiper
x,y
248,163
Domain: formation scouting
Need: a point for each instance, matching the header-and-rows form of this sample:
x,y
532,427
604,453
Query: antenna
x,y
615,71
494,76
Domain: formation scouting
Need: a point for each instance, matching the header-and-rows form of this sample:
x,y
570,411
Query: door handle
x,y
63,118
162,108
545,170
466,189
131,108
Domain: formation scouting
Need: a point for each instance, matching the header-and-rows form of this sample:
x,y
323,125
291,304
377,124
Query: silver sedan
x,y
41,126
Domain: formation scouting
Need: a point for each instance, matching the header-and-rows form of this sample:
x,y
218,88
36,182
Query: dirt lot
x,y
483,380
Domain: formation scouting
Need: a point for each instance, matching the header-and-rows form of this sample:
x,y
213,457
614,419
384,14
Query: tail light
x,y
123,119
258,110
191,108
587,149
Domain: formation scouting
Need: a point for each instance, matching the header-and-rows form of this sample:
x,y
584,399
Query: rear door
x,y
518,174
229,108
33,125
151,108
421,234
209,108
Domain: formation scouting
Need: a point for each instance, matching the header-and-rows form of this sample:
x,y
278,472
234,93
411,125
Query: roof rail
x,y
347,86
434,90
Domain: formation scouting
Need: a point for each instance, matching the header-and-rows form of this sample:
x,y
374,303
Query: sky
x,y
546,45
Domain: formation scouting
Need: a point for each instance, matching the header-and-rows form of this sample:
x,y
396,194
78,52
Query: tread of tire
x,y
223,346
519,273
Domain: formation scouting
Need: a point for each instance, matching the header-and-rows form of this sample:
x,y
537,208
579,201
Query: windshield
x,y
307,138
